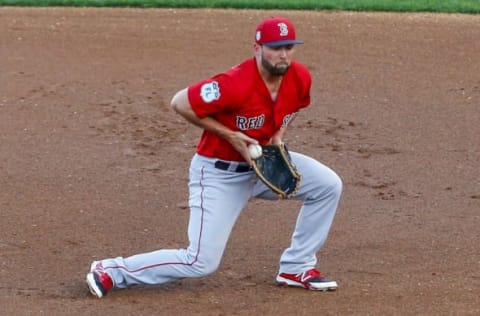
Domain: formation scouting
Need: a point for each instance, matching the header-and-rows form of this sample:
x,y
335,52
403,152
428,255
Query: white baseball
x,y
255,151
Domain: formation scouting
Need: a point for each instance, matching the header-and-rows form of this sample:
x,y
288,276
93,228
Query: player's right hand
x,y
240,142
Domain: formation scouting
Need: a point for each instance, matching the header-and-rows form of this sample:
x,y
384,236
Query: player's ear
x,y
257,49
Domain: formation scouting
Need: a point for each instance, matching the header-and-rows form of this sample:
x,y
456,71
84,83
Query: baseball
x,y
255,151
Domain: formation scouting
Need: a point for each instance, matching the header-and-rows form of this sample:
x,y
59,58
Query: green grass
x,y
449,6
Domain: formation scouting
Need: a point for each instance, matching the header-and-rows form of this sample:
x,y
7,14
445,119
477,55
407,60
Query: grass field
x,y
453,6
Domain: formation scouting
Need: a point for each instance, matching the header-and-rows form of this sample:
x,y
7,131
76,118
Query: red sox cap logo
x,y
283,29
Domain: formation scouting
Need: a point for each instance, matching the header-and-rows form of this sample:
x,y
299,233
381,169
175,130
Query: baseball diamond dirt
x,y
94,163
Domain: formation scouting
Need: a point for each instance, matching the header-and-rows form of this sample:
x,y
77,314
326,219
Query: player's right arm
x,y
181,104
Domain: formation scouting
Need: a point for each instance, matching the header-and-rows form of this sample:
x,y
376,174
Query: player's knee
x,y
336,184
330,187
206,266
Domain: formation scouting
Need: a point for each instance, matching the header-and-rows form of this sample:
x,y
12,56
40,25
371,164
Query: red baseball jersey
x,y
240,100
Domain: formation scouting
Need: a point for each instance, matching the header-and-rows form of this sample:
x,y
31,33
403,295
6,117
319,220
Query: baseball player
x,y
251,103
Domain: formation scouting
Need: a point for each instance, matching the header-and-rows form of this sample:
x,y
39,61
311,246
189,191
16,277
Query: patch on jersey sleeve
x,y
210,92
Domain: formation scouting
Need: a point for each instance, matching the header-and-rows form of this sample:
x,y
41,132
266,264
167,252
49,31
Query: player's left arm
x,y
277,138
304,82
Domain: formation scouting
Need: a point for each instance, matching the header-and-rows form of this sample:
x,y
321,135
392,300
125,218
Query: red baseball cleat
x,y
311,279
99,282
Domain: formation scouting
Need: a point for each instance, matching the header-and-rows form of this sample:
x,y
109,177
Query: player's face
x,y
276,60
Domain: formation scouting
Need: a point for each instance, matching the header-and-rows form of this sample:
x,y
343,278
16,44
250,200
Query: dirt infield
x,y
93,162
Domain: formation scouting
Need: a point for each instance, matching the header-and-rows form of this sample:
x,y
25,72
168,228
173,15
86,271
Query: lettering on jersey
x,y
288,118
210,92
246,123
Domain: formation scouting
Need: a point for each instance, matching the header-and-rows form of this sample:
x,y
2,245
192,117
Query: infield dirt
x,y
94,163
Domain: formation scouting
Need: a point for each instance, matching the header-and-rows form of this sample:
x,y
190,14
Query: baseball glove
x,y
276,169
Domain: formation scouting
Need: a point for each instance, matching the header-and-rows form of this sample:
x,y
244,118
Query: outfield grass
x,y
449,6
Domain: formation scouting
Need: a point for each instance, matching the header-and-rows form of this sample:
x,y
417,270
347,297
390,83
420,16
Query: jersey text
x,y
246,123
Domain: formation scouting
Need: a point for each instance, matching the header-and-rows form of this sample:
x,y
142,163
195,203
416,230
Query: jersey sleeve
x,y
211,96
